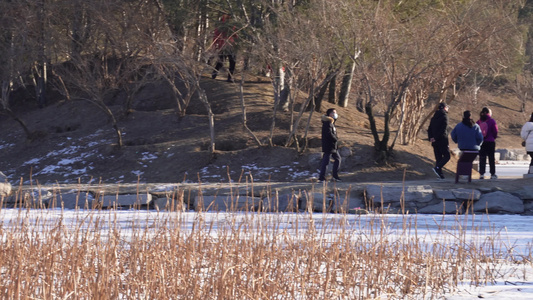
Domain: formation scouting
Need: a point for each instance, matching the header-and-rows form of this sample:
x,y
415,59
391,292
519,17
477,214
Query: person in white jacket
x,y
527,135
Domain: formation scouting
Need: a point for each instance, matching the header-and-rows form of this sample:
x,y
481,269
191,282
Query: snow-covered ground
x,y
510,235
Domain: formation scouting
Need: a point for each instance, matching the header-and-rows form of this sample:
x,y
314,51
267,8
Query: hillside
x,y
76,141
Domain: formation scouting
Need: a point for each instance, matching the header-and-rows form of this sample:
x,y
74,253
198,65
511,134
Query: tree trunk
x,y
211,116
243,106
6,89
382,151
346,85
285,86
317,103
277,83
41,67
332,90
27,132
114,123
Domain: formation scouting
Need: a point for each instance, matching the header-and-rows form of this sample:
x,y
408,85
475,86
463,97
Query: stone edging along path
x,y
502,196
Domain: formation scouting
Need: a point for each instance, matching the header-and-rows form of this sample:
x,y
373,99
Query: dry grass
x,y
54,254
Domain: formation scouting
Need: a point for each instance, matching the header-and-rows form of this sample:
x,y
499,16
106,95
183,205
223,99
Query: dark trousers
x,y
220,64
325,161
487,150
442,152
531,162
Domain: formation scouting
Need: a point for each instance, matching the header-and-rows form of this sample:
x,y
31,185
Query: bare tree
x,y
16,52
473,41
411,52
523,88
296,42
117,56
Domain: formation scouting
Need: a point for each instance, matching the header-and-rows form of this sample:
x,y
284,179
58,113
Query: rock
x,y
81,200
316,202
528,206
466,194
342,204
5,187
525,193
170,201
506,154
280,203
3,177
393,194
36,198
497,202
314,161
358,211
129,200
226,203
345,152
444,195
447,207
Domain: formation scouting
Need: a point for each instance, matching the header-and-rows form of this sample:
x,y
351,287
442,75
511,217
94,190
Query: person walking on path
x,y
527,135
489,129
438,136
329,145
224,42
467,134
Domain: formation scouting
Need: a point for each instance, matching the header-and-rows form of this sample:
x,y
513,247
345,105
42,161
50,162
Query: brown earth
x,y
77,143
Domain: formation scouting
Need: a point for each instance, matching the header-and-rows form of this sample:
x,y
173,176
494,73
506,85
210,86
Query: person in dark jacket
x,y
489,128
329,145
438,136
224,42
467,134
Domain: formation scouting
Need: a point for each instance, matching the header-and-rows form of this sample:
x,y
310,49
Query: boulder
x,y
342,204
358,211
226,203
35,198
3,177
444,195
345,152
393,194
82,200
316,202
445,207
507,154
314,160
466,194
280,203
119,200
175,199
499,202
525,193
169,204
5,187
528,206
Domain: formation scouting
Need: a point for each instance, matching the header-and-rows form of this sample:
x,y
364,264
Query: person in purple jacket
x,y
489,129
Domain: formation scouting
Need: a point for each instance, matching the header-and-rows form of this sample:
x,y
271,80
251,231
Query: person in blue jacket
x,y
467,134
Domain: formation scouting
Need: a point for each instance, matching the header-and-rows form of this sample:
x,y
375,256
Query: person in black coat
x,y
438,136
329,145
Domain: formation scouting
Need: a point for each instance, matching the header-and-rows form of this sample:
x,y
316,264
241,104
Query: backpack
x,y
484,128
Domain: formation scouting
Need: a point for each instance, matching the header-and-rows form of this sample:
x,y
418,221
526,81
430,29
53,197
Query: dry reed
x,y
97,254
